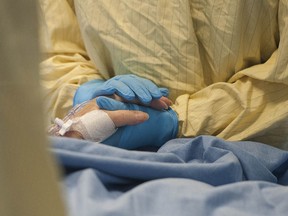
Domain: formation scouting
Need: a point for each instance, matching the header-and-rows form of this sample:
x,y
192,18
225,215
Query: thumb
x,y
127,117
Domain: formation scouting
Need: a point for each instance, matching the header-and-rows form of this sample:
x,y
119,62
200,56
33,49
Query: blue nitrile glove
x,y
158,129
128,86
86,91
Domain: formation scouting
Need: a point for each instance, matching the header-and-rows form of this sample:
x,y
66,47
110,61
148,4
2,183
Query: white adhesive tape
x,y
95,125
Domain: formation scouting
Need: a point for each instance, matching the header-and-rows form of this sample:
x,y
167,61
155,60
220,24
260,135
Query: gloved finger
x,y
127,117
114,86
144,89
164,92
86,91
120,88
153,89
103,90
140,89
111,104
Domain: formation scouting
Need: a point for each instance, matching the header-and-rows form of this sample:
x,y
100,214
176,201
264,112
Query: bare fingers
x,y
127,117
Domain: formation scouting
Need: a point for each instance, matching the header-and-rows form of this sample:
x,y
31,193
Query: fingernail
x,y
165,106
141,116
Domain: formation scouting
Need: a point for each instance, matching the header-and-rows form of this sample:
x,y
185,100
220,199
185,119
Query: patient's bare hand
x,y
119,117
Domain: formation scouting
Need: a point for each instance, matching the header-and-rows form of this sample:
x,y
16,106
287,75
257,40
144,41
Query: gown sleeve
x,y
65,64
251,106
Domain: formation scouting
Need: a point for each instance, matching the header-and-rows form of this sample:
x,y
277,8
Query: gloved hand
x,y
158,129
129,87
86,91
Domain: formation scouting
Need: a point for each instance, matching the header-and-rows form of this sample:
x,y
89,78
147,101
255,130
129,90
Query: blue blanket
x,y
200,176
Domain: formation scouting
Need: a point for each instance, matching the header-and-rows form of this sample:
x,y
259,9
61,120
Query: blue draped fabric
x,y
200,176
